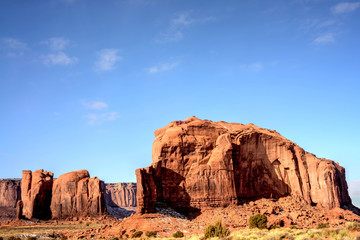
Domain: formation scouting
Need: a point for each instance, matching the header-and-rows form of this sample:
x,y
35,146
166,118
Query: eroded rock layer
x,y
76,194
200,163
36,188
10,192
120,195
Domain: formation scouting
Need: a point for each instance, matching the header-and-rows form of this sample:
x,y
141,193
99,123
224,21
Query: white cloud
x,y
252,67
107,59
59,58
57,43
95,105
15,44
98,119
162,67
345,7
325,38
177,26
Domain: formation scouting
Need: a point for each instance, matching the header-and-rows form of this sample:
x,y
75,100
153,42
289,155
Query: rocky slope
x,y
76,194
199,164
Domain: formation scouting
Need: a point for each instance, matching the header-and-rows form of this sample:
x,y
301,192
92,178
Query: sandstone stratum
x,y
197,164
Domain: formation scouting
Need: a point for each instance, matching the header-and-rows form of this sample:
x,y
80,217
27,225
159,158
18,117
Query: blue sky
x,y
84,84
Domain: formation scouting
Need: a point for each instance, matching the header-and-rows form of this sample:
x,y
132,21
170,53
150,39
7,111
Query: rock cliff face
x,y
36,190
76,194
120,195
10,192
200,163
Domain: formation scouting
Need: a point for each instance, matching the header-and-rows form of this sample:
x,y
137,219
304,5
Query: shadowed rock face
x,y
120,195
36,190
200,163
10,192
76,194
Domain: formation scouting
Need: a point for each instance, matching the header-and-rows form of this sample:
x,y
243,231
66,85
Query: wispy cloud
x,y
162,67
59,58
95,105
15,44
252,67
57,43
98,119
178,24
325,38
107,59
14,47
345,7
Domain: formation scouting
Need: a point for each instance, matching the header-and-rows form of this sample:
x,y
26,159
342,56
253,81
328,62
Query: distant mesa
x,y
197,164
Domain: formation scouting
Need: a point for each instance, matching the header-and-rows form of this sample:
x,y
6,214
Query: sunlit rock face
x,y
200,163
120,195
36,188
76,194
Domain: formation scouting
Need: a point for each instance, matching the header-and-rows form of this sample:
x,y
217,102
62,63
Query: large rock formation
x,y
10,192
36,190
120,195
76,194
200,163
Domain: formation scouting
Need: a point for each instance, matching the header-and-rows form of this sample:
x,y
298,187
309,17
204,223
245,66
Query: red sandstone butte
x,y
199,163
76,194
36,190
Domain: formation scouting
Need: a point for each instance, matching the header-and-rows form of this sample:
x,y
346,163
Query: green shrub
x,y
137,234
217,230
126,235
150,234
258,221
322,225
178,234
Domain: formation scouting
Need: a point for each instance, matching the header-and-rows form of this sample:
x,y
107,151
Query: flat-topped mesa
x,y
121,195
76,194
200,163
36,190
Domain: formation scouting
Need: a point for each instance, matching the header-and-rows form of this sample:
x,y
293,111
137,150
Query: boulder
x,y
36,188
76,194
198,164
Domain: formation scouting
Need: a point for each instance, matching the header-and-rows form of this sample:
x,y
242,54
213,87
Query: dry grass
x,y
6,232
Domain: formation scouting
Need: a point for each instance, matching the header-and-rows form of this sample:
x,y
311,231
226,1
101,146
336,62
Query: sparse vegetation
x,y
13,238
352,226
31,238
217,230
137,234
258,221
178,234
322,225
151,234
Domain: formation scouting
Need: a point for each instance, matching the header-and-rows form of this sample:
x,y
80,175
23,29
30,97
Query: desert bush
x,y
87,224
126,235
13,238
272,227
150,234
178,234
322,225
258,221
31,238
352,226
217,230
63,237
137,234
115,238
